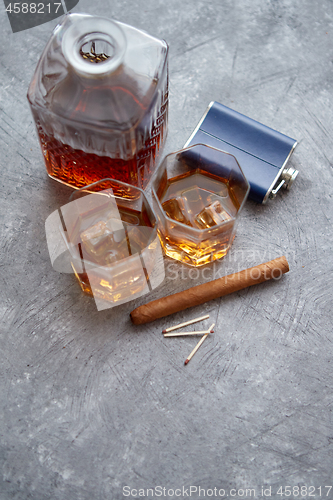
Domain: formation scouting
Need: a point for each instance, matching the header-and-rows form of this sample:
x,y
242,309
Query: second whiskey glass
x,y
198,194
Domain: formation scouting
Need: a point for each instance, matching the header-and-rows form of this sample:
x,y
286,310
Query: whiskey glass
x,y
110,232
198,194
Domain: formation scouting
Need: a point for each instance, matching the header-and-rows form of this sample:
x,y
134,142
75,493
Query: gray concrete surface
x,y
90,403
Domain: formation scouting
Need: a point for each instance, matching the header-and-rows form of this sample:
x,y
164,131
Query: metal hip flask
x,y
262,152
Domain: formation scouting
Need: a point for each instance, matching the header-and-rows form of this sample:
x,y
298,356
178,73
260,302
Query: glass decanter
x,y
99,97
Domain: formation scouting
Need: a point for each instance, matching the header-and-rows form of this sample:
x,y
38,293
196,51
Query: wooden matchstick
x,y
181,325
198,345
180,334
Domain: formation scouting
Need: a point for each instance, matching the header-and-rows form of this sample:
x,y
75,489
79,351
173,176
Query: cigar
x,y
208,291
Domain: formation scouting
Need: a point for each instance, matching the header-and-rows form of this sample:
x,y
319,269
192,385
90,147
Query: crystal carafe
x,y
99,97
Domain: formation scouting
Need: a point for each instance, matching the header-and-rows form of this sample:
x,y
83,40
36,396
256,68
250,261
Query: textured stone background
x,y
90,403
